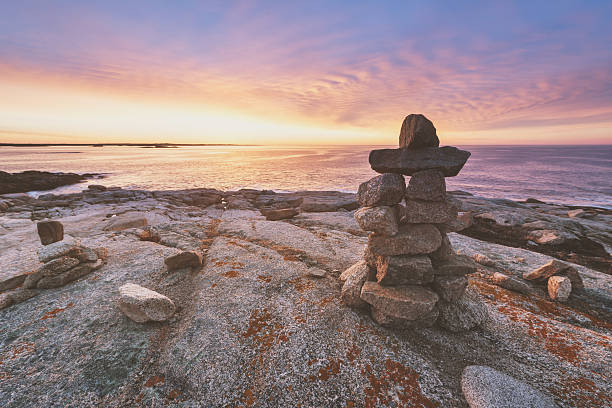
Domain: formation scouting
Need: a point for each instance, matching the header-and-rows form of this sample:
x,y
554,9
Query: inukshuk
x,y
409,269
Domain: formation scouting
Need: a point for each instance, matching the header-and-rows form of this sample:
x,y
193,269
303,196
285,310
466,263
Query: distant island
x,y
158,145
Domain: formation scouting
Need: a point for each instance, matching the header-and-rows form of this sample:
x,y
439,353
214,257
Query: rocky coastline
x,y
33,180
261,321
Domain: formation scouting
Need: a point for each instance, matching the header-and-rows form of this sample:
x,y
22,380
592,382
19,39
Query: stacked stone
x,y
410,273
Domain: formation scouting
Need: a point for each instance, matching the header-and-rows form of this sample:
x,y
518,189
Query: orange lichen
x,y
327,300
300,319
231,274
231,263
22,348
154,380
581,392
53,313
350,404
174,394
264,278
263,331
331,369
239,244
301,285
248,398
396,383
353,352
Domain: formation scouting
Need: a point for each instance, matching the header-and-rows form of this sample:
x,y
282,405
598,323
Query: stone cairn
x,y
410,273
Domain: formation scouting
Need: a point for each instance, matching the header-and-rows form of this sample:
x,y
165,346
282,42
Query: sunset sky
x,y
315,72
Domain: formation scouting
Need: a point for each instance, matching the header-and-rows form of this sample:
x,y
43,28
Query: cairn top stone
x,y
417,132
448,159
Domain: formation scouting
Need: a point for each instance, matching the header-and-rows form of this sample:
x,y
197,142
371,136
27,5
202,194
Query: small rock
x,y
547,237
552,268
462,315
50,231
485,387
483,260
143,305
579,213
429,212
559,288
403,270
386,189
356,276
125,221
450,288
279,214
511,283
381,220
412,239
455,265
316,273
187,259
417,131
406,302
449,160
428,185
57,249
148,234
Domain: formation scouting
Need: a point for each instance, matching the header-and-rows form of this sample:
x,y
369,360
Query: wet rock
x,y
187,259
449,160
417,131
559,288
50,231
142,305
462,315
351,290
381,220
485,387
386,189
552,268
279,214
511,283
430,212
457,265
37,181
428,185
126,221
406,302
403,270
412,239
450,288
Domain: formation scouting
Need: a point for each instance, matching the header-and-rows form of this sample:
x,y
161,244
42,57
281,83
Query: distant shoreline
x,y
160,145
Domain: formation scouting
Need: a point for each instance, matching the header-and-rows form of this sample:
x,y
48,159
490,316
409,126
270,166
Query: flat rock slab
x,y
143,305
405,302
485,387
449,160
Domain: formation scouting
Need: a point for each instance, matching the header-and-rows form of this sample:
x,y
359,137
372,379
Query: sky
x,y
316,72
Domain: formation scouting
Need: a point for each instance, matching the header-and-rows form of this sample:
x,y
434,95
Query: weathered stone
x,y
399,323
125,221
11,281
64,278
187,259
552,268
51,268
351,270
403,270
142,305
572,274
450,288
449,160
406,302
386,189
316,273
279,214
547,237
351,291
87,255
50,231
485,387
430,212
381,220
57,249
444,252
455,265
483,260
511,283
5,300
462,315
412,239
428,185
417,131
559,288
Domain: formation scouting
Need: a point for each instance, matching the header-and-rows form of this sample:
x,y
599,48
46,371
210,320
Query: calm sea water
x,y
579,175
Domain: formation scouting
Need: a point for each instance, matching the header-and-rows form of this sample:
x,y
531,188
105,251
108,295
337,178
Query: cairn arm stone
x,y
449,160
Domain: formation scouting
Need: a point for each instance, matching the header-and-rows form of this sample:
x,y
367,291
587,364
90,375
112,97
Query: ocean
x,y
574,175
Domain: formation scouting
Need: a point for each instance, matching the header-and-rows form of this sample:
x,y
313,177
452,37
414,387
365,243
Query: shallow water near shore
x,y
573,175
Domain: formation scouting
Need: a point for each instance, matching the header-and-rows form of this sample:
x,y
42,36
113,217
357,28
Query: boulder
x,y
457,265
403,270
187,259
428,185
559,288
351,290
406,302
143,305
462,315
279,214
50,231
430,212
412,239
386,189
450,288
485,387
417,131
381,220
126,221
449,160
552,268
511,283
